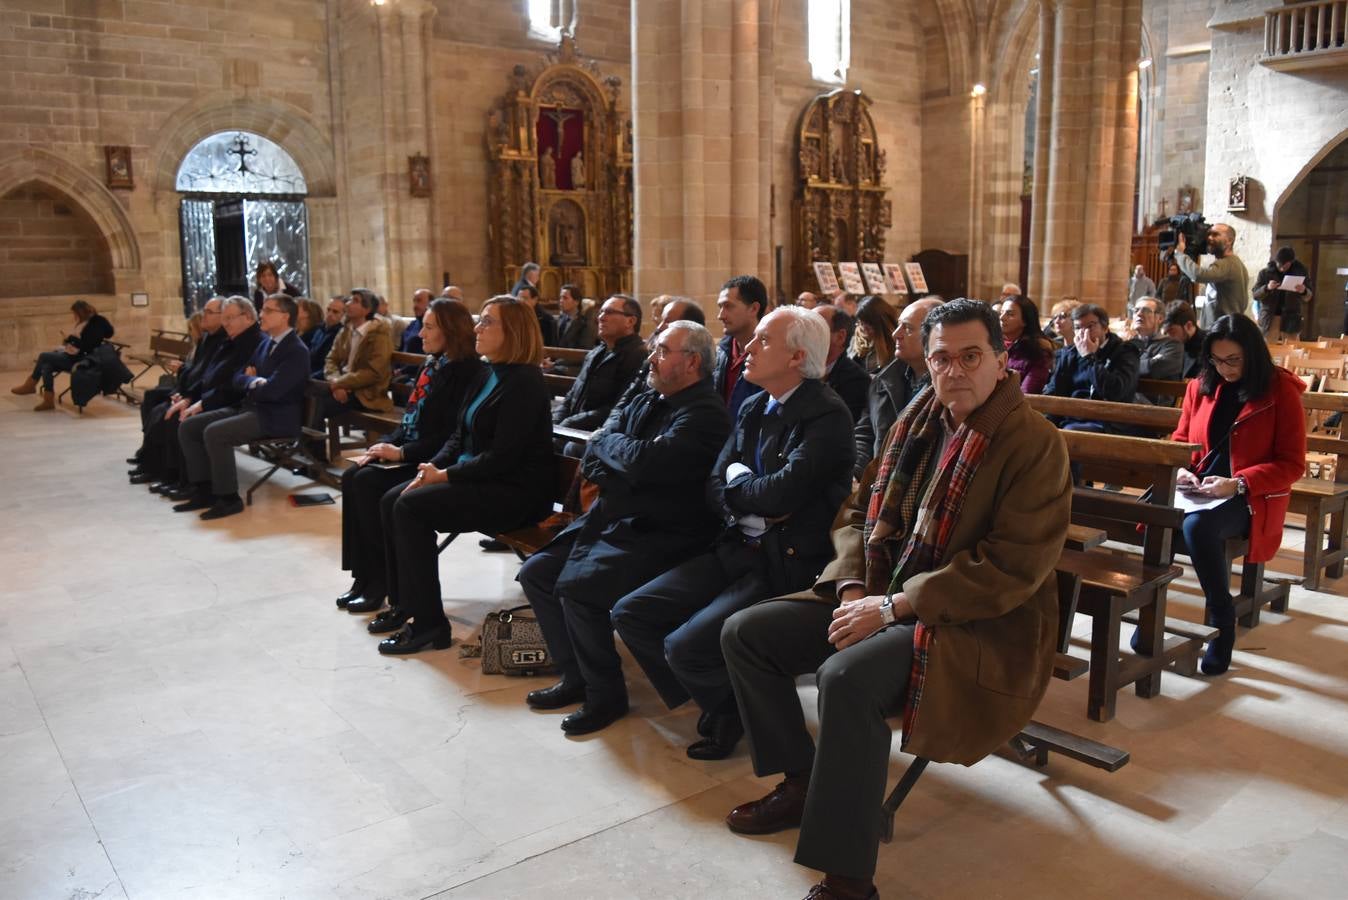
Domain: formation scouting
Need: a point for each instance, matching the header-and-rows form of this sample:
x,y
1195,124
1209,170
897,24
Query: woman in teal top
x,y
494,474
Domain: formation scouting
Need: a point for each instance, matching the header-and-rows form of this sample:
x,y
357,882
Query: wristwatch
x,y
1241,487
887,609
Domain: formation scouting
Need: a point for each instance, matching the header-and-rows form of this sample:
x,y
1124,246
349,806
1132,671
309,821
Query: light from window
x,y
549,18
830,24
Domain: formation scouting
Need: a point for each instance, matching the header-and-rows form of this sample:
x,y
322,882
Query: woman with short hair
x,y
873,341
89,331
1245,414
1028,353
430,417
494,474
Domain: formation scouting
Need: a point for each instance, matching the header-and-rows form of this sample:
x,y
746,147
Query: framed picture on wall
x,y
139,299
894,275
419,175
875,279
119,167
828,281
851,278
915,277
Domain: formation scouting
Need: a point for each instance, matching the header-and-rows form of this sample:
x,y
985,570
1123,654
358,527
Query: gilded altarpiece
x,y
841,211
560,195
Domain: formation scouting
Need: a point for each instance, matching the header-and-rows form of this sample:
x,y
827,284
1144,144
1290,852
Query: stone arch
x,y
285,124
83,190
1295,181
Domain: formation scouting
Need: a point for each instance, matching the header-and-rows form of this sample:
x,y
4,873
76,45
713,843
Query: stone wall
x,y
50,245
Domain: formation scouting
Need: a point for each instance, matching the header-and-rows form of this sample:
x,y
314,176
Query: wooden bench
x,y
532,538
166,348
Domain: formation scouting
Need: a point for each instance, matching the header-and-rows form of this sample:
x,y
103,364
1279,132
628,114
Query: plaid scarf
x,y
908,527
422,390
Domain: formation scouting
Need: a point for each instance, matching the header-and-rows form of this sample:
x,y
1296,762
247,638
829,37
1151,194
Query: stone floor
x,y
183,713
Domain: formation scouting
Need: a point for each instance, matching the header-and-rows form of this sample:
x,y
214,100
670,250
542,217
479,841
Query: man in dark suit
x,y
273,387
647,464
895,385
322,338
848,380
607,370
1098,366
742,303
577,325
776,486
528,294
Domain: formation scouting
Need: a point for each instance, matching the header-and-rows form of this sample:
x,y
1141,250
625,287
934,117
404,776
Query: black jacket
x,y
548,325
579,331
850,382
886,398
217,389
279,403
1110,373
320,342
807,464
96,330
440,412
604,375
189,376
743,389
511,437
651,464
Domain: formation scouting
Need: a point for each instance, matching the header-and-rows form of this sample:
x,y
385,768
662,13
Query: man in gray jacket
x,y
1161,356
1228,280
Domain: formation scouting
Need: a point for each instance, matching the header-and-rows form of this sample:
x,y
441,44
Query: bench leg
x,y
897,796
1315,540
1104,681
1336,522
257,484
1252,588
1069,593
1151,622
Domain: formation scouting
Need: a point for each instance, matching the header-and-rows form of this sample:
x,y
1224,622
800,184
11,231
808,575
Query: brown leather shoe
x,y
29,386
778,811
48,402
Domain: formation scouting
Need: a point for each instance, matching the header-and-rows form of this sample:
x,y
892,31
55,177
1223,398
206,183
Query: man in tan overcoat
x,y
360,364
940,605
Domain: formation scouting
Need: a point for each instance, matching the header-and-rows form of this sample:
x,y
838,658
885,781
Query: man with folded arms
x,y
650,462
273,386
940,605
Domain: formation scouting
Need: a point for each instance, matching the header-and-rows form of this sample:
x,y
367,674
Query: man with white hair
x,y
776,486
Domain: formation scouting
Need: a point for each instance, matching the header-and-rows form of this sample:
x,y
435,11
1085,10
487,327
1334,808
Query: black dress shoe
x,y
193,503
492,545
140,477
355,593
184,492
222,508
563,693
372,602
162,488
390,619
593,717
133,460
408,641
726,731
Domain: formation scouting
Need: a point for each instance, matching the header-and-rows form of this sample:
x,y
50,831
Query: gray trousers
x,y
766,647
208,440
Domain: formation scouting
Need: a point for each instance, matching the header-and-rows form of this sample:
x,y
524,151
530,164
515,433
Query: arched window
x,y
243,202
549,18
830,33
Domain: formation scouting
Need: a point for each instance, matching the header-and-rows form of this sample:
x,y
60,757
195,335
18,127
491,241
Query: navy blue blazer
x,y
279,402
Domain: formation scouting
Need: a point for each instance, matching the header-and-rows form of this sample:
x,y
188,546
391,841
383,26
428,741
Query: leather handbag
x,y
512,644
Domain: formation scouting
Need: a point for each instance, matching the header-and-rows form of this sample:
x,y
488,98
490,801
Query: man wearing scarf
x,y
940,605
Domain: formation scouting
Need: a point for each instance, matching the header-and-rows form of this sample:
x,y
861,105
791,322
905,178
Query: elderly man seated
x,y
940,604
648,461
1159,355
607,370
273,386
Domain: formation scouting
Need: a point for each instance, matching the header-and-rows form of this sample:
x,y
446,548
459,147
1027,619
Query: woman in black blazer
x,y
91,329
494,474
431,416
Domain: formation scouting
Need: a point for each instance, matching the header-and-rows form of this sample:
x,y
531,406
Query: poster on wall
x,y
851,278
915,277
828,281
875,279
894,275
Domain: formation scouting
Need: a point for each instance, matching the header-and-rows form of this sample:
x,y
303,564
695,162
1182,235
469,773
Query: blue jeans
x,y
1203,539
51,362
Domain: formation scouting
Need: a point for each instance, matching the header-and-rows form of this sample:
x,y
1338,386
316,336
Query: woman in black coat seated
x,y
495,474
91,329
432,414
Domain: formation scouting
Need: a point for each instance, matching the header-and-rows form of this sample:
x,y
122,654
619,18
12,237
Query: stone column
x,y
701,160
1085,169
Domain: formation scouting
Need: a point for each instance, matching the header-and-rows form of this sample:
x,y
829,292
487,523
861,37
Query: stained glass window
x,y
239,162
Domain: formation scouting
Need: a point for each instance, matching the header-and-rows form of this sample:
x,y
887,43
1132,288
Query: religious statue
x,y
567,233
548,170
578,172
839,170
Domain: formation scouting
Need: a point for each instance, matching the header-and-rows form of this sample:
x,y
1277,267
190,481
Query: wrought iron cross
x,y
242,151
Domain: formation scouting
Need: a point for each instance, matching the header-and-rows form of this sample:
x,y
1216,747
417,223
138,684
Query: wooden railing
x,y
1301,35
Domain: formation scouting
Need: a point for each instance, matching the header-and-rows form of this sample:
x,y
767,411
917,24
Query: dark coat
x,y
578,332
807,473
1110,373
411,339
260,296
189,376
279,402
547,325
440,412
850,382
512,437
743,389
95,331
886,397
320,345
604,375
100,371
217,389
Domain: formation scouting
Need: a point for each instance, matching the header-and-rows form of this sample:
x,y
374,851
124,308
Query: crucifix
x,y
242,151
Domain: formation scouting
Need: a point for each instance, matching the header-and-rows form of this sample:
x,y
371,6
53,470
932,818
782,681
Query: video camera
x,y
1194,229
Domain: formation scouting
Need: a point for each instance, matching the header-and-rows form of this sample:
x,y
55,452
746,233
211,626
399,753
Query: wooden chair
x,y
166,347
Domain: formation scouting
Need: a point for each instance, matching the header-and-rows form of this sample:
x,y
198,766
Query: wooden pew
x,y
166,347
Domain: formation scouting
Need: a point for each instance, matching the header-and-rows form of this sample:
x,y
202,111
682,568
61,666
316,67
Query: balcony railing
x,y
1306,35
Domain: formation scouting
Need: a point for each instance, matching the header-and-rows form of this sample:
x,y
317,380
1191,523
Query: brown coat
x,y
369,377
993,604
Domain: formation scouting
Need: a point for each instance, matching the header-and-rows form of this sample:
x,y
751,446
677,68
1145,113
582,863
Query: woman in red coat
x,y
1245,414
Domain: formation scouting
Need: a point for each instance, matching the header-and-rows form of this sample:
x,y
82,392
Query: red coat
x,y
1268,449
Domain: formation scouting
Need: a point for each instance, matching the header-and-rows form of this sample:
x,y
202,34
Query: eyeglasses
x,y
616,312
1229,362
969,360
905,328
661,352
487,321
1058,317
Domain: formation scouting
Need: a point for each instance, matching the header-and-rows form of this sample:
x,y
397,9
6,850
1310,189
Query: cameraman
x,y
1227,279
